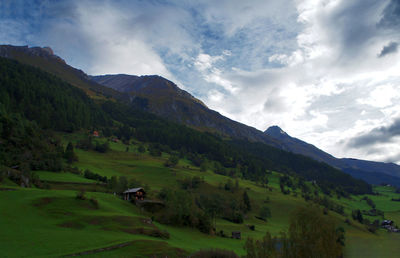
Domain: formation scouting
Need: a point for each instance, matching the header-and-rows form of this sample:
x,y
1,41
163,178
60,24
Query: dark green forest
x,y
34,104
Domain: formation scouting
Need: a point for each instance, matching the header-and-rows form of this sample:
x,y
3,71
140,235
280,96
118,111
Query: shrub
x,y
91,175
102,148
81,195
94,203
172,161
357,215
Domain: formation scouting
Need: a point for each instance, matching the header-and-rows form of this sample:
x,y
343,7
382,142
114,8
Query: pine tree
x,y
69,154
246,201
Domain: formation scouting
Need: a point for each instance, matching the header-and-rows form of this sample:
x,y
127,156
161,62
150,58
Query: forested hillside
x,y
54,104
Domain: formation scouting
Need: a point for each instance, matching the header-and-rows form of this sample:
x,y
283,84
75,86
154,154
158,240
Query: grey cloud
x,y
274,104
382,134
393,159
353,25
389,49
391,15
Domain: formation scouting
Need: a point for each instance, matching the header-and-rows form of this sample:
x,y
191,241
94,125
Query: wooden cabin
x,y
134,194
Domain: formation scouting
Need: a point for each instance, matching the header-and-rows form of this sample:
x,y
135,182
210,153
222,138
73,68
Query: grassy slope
x,y
38,226
62,177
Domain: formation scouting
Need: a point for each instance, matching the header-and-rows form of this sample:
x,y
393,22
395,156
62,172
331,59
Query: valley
x,y
52,222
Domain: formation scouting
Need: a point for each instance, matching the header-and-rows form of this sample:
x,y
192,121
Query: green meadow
x,y
53,222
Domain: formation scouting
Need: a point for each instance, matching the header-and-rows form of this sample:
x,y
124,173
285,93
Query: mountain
x,y
390,169
295,145
153,93
166,99
30,95
45,59
371,171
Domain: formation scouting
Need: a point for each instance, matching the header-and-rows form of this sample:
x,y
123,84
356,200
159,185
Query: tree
x,y
172,161
203,166
113,183
357,215
310,235
69,154
265,213
246,201
313,235
122,184
141,148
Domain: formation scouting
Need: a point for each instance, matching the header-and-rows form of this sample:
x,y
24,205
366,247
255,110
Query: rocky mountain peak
x,y
276,132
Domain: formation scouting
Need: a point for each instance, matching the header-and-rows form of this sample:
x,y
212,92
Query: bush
x,y
357,215
102,148
94,203
191,183
91,175
172,161
81,195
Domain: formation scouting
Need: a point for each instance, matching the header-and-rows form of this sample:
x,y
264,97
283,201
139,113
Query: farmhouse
x,y
134,194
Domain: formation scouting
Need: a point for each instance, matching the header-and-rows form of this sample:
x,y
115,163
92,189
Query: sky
x,y
325,71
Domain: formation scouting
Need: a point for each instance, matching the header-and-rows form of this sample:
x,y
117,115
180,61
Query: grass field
x,y
53,222
62,177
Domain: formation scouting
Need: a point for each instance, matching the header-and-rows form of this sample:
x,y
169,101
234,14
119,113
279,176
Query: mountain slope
x,y
54,105
298,146
166,99
45,59
371,171
162,97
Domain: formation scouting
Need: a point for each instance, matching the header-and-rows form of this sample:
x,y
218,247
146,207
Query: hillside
x,y
370,171
62,107
120,229
45,59
166,99
64,183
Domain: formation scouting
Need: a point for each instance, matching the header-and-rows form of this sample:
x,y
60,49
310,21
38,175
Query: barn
x,y
134,194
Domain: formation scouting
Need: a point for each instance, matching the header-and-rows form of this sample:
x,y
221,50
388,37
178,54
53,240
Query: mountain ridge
x,y
167,100
375,172
45,59
164,98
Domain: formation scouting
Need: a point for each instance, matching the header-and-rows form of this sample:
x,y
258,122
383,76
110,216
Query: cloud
x,y
390,15
382,134
389,49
